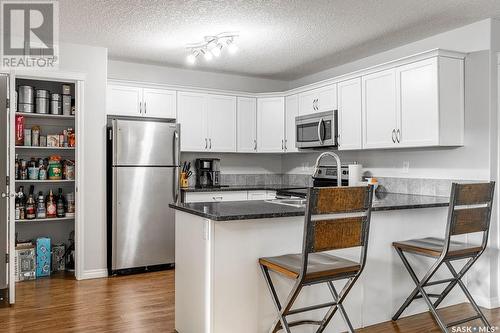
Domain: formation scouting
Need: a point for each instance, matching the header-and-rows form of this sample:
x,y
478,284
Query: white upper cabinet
x,y
247,124
379,103
221,123
270,124
349,114
192,115
124,100
431,108
291,111
318,100
159,103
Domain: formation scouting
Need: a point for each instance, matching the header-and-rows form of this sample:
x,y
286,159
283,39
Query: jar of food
x,y
55,168
35,136
70,201
69,170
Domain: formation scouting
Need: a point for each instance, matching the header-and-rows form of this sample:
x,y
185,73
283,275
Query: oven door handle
x,y
320,136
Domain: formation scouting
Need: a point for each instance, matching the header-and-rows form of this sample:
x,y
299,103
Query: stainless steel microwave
x,y
317,130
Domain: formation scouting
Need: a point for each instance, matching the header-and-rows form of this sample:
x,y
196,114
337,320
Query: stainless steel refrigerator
x,y
143,178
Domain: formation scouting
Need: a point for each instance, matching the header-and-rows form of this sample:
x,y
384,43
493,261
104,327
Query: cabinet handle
x,y
206,143
210,140
285,144
145,108
282,145
140,107
255,145
398,136
393,134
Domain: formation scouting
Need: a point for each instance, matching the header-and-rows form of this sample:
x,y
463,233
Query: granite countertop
x,y
268,187
258,209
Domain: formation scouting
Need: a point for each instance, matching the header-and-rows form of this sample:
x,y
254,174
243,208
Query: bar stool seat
x,y
433,247
319,265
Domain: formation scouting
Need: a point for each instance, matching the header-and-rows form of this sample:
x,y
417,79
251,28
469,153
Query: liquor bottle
x,y
21,199
16,175
31,205
61,212
40,207
51,205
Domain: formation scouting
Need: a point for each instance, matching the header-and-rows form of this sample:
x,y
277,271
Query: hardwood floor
x,y
140,303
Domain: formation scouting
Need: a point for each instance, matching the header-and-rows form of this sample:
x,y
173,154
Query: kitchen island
x,y
219,285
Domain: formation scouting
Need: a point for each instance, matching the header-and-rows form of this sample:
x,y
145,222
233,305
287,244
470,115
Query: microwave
x,y
317,130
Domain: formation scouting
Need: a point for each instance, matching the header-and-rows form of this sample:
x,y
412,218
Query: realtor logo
x,y
30,33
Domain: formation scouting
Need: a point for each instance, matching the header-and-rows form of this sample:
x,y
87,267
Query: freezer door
x,y
143,224
4,190
145,143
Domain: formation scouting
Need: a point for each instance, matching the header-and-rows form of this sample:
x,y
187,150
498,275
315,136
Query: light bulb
x,y
216,51
232,48
191,59
208,56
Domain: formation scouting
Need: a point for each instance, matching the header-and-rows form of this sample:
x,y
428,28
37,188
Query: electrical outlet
x,y
406,166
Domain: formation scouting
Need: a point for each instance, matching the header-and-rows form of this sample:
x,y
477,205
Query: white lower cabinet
x,y
270,124
228,196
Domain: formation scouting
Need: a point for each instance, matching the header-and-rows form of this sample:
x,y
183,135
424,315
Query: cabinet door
x,y
291,111
221,123
307,102
124,100
349,111
419,109
247,124
257,195
270,124
215,196
379,109
192,117
326,98
159,103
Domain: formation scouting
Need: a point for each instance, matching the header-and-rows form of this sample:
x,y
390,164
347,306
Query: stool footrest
x,y
458,322
433,283
304,322
430,295
310,308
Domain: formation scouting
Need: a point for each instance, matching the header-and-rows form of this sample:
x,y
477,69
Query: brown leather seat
x,y
320,265
433,247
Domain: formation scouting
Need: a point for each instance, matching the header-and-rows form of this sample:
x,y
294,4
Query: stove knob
x,y
319,172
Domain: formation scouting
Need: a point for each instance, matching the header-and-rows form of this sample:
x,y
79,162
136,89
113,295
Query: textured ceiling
x,y
279,39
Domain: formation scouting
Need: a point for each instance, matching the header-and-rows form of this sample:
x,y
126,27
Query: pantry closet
x,y
44,178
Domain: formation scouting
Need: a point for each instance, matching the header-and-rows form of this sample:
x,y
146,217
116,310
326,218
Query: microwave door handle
x,y
320,136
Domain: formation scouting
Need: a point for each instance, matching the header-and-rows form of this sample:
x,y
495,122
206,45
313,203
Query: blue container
x,y
43,257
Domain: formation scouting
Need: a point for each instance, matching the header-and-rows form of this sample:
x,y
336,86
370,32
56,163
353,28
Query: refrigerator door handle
x,y
177,163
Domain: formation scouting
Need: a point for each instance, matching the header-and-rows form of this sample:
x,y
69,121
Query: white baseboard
x,y
94,274
488,303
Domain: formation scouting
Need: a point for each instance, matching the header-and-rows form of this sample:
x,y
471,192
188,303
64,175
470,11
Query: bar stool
x,y
469,212
336,218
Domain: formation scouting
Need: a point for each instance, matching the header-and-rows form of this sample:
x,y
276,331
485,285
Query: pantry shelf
x,y
45,181
45,148
42,115
47,219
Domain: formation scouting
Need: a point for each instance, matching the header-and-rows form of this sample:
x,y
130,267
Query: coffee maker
x,y
207,172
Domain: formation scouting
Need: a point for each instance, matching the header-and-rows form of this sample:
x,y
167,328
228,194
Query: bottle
x,y
40,207
21,199
23,171
61,212
30,205
51,206
16,175
42,170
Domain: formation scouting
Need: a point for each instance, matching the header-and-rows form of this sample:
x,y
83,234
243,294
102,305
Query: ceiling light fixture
x,y
212,46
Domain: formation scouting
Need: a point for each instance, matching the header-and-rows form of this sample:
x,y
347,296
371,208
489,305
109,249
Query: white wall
x,y
192,78
92,61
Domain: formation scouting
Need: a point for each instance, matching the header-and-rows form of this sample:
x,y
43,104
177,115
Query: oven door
x,y
316,130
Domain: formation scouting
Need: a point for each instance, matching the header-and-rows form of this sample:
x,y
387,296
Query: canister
x,y
55,104
26,94
23,107
42,101
66,105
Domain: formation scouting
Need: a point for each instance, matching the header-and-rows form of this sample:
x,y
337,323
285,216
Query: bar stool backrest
x,y
337,218
470,209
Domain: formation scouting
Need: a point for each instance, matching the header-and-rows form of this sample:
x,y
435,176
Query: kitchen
x,y
410,115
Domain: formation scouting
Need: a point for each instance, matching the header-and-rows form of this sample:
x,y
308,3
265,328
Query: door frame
x,y
79,80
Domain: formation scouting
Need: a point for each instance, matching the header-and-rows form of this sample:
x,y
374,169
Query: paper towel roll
x,y
355,173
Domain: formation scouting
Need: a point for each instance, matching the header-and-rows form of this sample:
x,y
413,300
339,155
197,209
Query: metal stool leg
x,y
420,286
452,284
467,293
341,307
